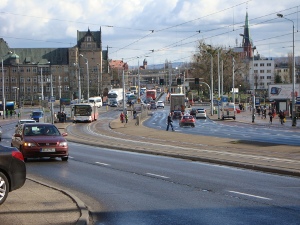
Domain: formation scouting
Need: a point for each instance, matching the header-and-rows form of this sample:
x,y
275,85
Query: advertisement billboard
x,y
283,91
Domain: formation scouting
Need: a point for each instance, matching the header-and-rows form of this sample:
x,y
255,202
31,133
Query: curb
x,y
84,218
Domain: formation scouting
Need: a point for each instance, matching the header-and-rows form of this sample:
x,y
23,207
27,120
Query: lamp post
x,y
3,92
211,84
294,120
98,90
79,82
233,91
88,77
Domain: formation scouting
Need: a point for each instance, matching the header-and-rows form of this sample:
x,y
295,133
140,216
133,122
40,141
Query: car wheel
x,y
4,188
65,158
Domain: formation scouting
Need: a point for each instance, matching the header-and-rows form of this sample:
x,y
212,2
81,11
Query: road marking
x,y
104,164
156,175
71,157
255,196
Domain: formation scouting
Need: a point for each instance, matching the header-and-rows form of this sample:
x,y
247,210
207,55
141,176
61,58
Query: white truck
x,y
115,95
177,102
228,110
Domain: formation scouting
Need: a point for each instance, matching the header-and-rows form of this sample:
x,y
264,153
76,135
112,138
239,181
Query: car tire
x,y
64,159
4,187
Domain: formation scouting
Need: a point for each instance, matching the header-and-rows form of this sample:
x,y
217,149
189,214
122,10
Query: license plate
x,y
48,150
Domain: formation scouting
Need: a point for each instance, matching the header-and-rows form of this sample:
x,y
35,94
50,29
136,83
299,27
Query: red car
x,y
37,140
187,120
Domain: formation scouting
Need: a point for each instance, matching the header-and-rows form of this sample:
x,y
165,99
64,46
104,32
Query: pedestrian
x,y
134,114
19,114
271,117
122,117
169,122
6,113
11,113
281,117
126,117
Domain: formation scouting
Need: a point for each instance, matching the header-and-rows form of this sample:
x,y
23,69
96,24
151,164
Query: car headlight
x,y
63,144
29,144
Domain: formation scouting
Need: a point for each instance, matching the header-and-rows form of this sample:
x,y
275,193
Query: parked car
x,y
37,140
0,133
160,104
200,113
187,120
176,114
12,171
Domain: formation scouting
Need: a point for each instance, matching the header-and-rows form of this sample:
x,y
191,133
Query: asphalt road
x,y
280,135
129,188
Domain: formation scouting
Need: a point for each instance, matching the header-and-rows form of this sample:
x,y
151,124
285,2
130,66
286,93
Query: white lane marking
x,y
104,164
71,157
255,196
156,175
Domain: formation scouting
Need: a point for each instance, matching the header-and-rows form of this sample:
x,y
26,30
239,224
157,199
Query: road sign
x,y
52,99
298,100
224,99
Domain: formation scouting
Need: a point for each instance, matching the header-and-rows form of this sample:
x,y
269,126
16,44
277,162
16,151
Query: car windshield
x,y
201,111
41,130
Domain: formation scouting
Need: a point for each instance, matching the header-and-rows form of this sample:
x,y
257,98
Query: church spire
x,y
247,41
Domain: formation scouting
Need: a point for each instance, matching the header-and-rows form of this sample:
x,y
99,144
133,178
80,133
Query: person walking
x,y
271,117
281,117
122,117
126,117
170,121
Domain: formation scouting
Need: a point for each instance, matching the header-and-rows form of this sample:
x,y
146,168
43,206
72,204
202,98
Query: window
x,y
269,77
34,79
255,71
268,71
15,70
28,70
34,70
6,79
28,79
88,39
13,80
65,79
261,77
262,71
66,88
262,64
22,79
34,89
255,64
28,89
268,64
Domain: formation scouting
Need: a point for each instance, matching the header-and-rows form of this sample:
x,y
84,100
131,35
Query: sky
x,y
155,30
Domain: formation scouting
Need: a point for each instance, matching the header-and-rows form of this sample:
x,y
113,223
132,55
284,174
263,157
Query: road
x,y
129,188
225,129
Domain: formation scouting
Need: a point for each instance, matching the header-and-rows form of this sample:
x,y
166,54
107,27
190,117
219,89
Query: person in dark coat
x,y
169,122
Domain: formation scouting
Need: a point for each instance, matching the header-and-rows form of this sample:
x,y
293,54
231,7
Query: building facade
x,y
27,72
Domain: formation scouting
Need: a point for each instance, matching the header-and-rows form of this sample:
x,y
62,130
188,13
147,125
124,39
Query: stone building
x,y
27,71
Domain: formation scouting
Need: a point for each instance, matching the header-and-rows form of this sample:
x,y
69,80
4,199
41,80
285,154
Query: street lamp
x,y
98,91
294,121
16,91
88,77
79,82
3,92
211,84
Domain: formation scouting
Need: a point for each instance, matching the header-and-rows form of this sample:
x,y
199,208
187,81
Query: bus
x,y
97,101
85,112
151,94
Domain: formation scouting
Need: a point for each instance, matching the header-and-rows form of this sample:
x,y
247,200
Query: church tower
x,y
247,41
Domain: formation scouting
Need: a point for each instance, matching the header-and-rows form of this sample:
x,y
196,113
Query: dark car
x,y
37,140
193,112
12,171
187,120
153,105
176,114
37,115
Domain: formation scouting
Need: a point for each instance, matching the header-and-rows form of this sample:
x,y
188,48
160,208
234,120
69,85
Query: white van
x,y
228,110
97,101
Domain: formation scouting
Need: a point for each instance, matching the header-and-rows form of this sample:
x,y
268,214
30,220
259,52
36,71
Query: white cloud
x,y
220,22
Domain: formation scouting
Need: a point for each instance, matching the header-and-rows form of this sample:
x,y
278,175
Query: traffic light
x,y
178,81
196,80
161,81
